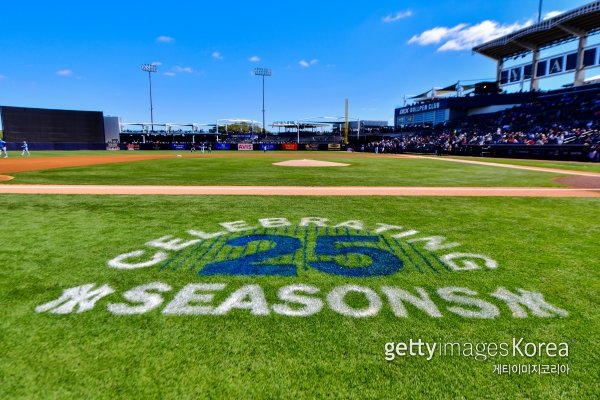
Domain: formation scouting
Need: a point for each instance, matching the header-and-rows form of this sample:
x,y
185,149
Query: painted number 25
x,y
327,251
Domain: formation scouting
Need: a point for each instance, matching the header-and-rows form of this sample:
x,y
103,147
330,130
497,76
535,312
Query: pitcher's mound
x,y
309,163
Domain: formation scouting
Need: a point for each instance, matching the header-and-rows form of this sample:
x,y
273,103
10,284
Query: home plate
x,y
309,163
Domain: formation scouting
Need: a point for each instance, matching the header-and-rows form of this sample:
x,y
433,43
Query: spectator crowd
x,y
572,118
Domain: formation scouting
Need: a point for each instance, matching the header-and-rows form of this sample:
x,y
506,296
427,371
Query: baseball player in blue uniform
x,y
3,149
25,148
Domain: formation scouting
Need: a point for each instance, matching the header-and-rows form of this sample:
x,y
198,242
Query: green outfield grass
x,y
51,243
365,170
569,165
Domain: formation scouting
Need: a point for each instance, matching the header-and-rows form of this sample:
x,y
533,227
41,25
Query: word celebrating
x,y
530,369
301,300
479,351
274,247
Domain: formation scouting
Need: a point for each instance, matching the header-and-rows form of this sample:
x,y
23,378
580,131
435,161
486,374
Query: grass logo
x,y
311,249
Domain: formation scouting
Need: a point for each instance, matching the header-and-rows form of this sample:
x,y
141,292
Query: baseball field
x,y
124,276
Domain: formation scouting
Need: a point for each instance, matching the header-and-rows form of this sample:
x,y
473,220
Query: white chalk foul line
x,y
516,166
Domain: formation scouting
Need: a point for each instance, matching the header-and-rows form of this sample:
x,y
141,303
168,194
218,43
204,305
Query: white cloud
x,y
306,64
388,19
217,55
187,70
165,39
157,63
465,36
169,74
552,14
64,72
254,59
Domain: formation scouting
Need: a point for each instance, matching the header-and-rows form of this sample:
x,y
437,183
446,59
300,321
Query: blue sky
x,y
87,55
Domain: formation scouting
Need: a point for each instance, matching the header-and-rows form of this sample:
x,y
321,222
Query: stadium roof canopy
x,y
565,27
436,92
297,125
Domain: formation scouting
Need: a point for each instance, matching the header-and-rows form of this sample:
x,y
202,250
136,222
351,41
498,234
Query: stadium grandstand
x,y
485,118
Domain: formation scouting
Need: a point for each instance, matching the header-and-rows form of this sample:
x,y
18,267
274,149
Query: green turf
x,y
50,243
569,165
364,170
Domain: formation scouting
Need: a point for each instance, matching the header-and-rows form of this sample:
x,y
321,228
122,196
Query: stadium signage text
x,y
420,107
279,247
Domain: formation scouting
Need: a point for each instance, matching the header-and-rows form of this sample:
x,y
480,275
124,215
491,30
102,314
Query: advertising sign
x,y
289,146
245,146
222,146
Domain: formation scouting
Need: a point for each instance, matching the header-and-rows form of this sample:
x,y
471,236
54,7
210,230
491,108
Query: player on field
x,y
25,148
3,149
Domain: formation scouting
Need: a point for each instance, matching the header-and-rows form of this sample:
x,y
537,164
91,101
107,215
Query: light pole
x,y
263,72
150,68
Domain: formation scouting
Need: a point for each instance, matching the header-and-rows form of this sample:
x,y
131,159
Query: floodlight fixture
x,y
263,72
150,68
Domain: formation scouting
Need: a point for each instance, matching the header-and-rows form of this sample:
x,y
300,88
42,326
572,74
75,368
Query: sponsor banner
x,y
334,147
245,146
268,146
178,146
312,146
289,146
133,146
222,146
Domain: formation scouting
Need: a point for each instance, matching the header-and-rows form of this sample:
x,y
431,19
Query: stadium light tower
x,y
263,72
150,68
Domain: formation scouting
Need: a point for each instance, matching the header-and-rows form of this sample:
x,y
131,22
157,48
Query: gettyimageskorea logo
x,y
305,250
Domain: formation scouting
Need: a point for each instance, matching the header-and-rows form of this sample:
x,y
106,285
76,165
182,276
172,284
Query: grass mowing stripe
x,y
443,264
199,258
407,256
208,250
423,258
305,252
184,257
178,256
392,248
